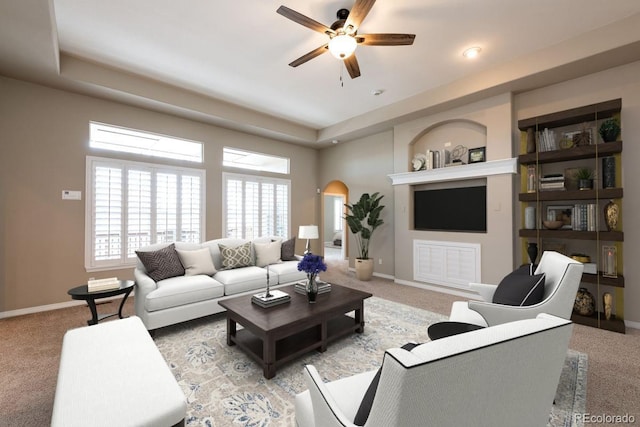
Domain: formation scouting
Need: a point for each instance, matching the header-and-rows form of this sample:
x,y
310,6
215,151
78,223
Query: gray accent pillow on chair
x,y
520,288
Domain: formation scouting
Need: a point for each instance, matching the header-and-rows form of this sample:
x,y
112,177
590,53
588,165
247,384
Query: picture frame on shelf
x,y
561,213
477,155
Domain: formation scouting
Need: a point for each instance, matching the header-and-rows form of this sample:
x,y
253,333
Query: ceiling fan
x,y
343,35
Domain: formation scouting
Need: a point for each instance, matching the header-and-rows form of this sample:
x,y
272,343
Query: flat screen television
x,y
452,209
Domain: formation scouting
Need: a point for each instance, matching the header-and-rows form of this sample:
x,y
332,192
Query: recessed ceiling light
x,y
377,92
335,141
472,52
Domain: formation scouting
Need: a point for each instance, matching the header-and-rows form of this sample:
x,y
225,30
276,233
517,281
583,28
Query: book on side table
x,y
96,285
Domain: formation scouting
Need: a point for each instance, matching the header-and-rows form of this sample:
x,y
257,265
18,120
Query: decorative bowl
x,y
553,225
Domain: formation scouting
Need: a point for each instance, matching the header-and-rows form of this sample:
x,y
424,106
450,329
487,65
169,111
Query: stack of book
x,y
547,141
301,287
553,182
103,284
275,297
584,217
436,159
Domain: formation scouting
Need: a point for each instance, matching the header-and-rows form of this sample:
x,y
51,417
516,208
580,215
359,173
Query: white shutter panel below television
x,y
451,264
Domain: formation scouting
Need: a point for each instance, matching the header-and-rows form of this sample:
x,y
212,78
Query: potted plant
x,y
584,176
609,130
363,218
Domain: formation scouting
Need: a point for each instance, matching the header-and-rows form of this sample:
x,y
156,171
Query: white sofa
x,y
501,376
182,298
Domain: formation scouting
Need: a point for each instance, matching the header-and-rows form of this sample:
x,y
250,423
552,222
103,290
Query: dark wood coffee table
x,y
275,335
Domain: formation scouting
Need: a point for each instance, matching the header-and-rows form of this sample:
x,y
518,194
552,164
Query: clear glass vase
x,y
312,288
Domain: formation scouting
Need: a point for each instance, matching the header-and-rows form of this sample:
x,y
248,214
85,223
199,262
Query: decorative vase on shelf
x,y
532,251
607,302
609,130
611,214
312,288
585,304
608,172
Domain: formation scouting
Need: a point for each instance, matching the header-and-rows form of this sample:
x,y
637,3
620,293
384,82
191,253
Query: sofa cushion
x,y
197,262
177,291
243,279
162,264
267,253
286,272
288,250
235,256
520,288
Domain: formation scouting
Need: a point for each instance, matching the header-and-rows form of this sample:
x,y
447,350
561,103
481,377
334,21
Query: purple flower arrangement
x,y
312,264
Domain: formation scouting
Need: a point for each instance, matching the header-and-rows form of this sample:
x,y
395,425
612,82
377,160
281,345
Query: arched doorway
x,y
334,227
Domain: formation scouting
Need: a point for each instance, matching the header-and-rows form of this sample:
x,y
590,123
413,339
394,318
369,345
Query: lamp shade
x,y
342,46
308,232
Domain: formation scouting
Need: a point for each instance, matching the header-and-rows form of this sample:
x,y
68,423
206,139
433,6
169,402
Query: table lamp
x,y
308,232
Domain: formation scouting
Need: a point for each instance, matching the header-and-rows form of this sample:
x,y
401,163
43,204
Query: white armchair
x,y
562,279
505,375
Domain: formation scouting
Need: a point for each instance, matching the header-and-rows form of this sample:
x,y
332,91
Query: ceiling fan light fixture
x,y
342,46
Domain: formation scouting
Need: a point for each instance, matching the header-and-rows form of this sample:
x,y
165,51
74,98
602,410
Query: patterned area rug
x,y
224,387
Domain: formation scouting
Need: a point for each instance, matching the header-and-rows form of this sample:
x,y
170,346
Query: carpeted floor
x,y
30,351
225,387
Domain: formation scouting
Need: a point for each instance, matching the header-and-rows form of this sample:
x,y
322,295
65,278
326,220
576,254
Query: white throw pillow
x,y
267,253
197,262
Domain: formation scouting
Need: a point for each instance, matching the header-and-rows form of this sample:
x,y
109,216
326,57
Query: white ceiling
x,y
225,62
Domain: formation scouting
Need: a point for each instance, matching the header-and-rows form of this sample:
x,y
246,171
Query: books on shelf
x,y
95,285
301,287
584,217
275,297
554,182
547,140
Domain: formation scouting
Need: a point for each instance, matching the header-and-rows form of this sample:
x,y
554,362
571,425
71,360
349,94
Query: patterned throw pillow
x,y
162,264
288,250
235,257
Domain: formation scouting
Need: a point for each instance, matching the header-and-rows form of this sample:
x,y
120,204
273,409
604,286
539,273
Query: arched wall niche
x,y
448,134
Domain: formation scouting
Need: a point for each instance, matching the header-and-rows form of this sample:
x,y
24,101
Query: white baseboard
x,y
441,289
383,276
632,325
57,306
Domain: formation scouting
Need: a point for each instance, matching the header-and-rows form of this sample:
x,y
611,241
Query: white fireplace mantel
x,y
456,173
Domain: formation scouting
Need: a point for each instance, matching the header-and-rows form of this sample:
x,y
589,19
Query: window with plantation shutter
x,y
133,204
255,206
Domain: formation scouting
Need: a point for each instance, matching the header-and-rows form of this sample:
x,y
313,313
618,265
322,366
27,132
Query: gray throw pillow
x,y
235,257
162,264
288,250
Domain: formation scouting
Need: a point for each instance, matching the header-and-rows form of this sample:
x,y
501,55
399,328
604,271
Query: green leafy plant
x,y
363,218
609,130
584,173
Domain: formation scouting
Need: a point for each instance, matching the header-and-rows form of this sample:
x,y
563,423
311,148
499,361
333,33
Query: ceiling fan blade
x,y
358,12
352,66
309,56
304,20
385,39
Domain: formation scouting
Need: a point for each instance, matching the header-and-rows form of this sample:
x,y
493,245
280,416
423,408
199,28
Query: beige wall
x,y
363,165
495,115
621,82
43,148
